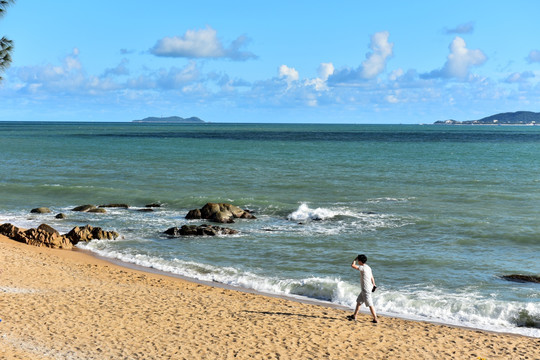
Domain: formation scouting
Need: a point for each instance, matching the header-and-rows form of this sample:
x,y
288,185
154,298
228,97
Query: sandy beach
x,y
60,304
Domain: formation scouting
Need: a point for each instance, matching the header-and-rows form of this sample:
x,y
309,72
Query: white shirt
x,y
365,277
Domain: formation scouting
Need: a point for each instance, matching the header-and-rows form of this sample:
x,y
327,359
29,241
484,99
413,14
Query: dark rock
x,y
98,211
87,233
219,212
12,232
154,205
199,230
526,319
194,214
522,278
48,229
40,210
84,208
123,206
60,216
145,210
174,231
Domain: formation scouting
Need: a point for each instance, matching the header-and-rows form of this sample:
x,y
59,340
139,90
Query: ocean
x,y
442,212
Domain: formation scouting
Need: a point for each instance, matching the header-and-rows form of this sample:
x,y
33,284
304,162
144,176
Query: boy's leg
x,y
356,310
372,309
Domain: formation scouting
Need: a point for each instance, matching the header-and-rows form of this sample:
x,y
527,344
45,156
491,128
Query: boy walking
x,y
368,286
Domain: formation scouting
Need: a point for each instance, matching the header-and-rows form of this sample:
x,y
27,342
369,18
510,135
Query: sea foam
x,y
305,213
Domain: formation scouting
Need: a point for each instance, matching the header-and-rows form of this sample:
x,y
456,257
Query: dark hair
x,y
362,258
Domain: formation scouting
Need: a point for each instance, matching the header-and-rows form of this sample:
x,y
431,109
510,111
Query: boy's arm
x,y
354,266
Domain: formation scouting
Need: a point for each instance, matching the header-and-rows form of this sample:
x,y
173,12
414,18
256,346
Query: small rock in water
x,y
84,208
522,278
154,205
123,206
40,210
219,212
199,230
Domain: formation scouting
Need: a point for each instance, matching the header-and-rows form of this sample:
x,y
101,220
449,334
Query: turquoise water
x,y
441,211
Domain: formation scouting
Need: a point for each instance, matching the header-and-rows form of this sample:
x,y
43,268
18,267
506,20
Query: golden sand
x,y
60,304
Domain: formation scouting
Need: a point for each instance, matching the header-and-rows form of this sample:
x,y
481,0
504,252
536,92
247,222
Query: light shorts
x,y
365,298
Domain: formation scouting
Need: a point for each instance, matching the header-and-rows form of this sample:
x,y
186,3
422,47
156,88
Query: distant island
x,y
509,118
171,119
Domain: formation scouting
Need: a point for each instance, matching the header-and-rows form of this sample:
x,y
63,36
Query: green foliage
x,y
6,45
4,4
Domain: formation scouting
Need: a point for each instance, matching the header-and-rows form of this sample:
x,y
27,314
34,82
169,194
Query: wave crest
x,y
305,213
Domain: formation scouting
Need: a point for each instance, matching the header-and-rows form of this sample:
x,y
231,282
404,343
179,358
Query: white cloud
x,y
376,60
325,70
319,83
396,74
374,65
70,78
534,56
289,74
175,78
67,82
67,75
392,99
202,43
166,79
459,61
72,62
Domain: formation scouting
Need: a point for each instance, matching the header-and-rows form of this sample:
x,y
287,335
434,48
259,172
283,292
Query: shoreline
x,y
216,284
294,298
60,304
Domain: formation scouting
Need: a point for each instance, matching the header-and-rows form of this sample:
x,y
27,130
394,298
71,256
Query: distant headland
x,y
171,119
509,118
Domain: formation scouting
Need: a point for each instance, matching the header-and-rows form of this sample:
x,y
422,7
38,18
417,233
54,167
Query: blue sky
x,y
279,61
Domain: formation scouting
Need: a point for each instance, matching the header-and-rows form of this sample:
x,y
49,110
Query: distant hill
x,y
170,119
509,118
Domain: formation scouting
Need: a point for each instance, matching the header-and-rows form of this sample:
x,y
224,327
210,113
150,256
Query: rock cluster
x,y
46,236
199,230
220,213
